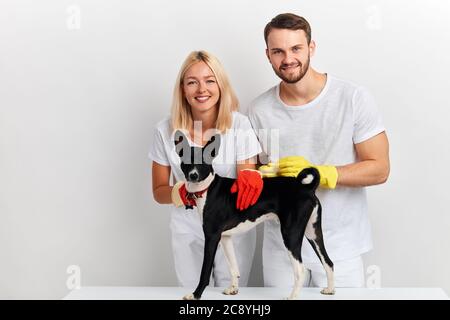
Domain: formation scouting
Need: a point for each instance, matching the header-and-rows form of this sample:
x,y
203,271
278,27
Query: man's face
x,y
289,53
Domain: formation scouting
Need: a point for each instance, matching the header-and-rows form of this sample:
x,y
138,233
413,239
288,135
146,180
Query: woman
x,y
204,101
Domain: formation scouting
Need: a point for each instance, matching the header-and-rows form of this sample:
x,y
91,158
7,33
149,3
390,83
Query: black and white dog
x,y
291,201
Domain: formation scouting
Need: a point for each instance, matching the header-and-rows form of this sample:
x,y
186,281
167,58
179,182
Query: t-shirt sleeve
x,y
367,119
157,151
247,144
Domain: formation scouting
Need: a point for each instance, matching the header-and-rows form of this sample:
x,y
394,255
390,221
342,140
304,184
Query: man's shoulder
x,y
263,101
344,85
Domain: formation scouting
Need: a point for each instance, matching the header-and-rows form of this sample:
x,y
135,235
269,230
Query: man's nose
x,y
193,176
288,58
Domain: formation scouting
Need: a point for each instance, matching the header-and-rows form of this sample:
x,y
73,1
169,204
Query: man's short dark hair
x,y
288,21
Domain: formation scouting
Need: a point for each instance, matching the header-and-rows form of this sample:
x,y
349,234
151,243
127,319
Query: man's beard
x,y
295,77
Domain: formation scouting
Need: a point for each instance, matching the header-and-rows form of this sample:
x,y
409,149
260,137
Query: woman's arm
x,y
160,183
246,164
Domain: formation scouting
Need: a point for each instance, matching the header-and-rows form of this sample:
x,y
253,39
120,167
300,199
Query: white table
x,y
255,293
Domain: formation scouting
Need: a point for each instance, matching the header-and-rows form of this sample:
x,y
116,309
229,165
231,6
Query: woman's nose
x,y
201,87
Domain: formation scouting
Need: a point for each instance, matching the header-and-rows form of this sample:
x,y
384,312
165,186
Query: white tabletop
x,y
255,293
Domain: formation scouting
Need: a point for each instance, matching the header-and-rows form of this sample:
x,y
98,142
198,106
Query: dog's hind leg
x,y
228,249
293,242
314,235
211,243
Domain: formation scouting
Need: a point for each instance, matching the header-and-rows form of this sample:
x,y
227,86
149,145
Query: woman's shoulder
x,y
163,128
239,119
163,124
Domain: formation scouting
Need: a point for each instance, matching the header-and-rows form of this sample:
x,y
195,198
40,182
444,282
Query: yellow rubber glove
x,y
269,170
291,167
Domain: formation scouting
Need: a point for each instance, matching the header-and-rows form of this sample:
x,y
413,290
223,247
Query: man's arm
x,y
372,167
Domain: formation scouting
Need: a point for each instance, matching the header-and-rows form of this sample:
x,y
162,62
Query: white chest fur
x,y
200,202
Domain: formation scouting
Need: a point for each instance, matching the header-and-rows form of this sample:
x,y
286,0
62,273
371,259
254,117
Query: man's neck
x,y
303,91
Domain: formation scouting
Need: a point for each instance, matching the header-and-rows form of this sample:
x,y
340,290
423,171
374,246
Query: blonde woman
x,y
204,102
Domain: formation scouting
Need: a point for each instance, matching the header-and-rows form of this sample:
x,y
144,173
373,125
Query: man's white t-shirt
x,y
324,131
236,144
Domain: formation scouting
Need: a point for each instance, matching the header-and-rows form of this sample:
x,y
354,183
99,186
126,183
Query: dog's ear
x,y
181,143
211,149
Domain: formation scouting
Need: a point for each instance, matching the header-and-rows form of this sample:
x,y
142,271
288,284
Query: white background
x,y
77,108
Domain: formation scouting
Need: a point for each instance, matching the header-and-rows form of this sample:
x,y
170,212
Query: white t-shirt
x,y
324,131
236,144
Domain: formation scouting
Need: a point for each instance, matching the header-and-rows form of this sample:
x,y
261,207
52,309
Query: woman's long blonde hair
x,y
181,115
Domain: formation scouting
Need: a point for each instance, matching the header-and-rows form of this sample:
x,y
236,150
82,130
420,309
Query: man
x,y
334,124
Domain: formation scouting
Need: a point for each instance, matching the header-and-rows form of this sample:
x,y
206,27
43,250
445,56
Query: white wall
x,y
77,107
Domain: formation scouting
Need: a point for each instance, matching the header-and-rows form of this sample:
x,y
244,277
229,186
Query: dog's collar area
x,y
191,198
196,190
195,195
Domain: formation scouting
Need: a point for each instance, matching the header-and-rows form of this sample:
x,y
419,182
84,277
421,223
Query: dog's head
x,y
196,162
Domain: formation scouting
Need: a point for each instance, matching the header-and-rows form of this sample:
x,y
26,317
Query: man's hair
x,y
288,21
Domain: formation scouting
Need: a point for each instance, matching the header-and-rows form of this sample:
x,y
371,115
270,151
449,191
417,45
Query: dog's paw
x,y
292,297
328,291
189,296
231,290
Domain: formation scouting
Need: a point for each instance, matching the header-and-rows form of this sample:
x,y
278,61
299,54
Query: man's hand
x,y
248,185
292,166
269,170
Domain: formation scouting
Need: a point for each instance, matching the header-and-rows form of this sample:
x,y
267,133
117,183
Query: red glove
x,y
248,185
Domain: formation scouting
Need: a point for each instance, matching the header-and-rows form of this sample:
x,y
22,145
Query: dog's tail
x,y
310,178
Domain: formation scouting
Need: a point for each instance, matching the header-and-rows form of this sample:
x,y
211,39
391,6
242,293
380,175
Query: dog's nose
x,y
193,176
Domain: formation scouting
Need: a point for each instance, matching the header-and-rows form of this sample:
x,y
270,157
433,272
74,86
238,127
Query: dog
x,y
291,201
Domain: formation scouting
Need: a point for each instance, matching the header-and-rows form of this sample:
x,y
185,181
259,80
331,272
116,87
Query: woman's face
x,y
200,87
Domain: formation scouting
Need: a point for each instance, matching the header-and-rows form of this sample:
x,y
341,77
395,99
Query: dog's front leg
x,y
299,277
211,243
228,249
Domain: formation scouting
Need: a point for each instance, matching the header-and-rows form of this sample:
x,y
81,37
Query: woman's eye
x,y
210,81
190,83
